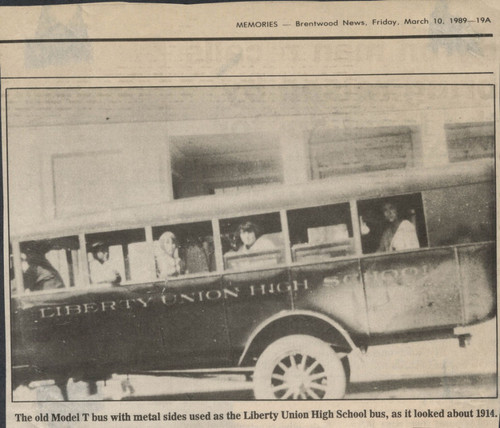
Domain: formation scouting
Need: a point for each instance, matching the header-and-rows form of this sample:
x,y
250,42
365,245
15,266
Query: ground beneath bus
x,y
431,369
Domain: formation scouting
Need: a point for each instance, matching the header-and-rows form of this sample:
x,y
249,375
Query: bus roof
x,y
267,199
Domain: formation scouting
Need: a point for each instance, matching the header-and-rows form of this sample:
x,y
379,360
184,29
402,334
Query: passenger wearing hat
x,y
101,270
38,273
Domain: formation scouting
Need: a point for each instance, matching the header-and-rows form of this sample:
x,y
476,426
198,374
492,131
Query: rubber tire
x,y
347,369
299,344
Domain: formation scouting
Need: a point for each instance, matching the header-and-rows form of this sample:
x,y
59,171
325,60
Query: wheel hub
x,y
299,376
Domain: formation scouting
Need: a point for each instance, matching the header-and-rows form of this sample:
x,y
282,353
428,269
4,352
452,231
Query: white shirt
x,y
102,272
405,237
261,244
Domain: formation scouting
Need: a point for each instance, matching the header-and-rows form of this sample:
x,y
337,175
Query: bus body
x,y
291,302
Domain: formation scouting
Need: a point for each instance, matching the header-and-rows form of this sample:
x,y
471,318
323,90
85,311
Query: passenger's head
x,y
33,254
100,251
168,243
248,232
390,212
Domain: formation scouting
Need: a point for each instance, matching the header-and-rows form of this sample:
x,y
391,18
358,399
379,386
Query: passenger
x,y
209,248
38,273
199,254
400,234
168,261
251,239
230,242
101,269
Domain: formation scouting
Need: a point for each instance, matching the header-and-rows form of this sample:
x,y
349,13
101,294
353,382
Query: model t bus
x,y
284,282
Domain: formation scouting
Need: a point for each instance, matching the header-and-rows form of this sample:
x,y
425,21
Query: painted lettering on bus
x,y
398,276
170,299
214,294
278,288
84,308
166,299
335,280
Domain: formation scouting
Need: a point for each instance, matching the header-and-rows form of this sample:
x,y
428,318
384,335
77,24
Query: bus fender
x,y
294,314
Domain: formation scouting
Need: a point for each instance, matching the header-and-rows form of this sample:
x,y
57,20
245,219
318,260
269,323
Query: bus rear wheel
x,y
299,367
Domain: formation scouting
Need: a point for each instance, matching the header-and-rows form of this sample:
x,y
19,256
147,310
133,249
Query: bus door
x,y
412,290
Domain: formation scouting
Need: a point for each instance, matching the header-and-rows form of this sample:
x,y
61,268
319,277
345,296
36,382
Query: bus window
x,y
50,263
118,256
183,249
392,224
252,241
320,233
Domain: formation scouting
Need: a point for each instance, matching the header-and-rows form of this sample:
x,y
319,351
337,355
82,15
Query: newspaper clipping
x,y
250,214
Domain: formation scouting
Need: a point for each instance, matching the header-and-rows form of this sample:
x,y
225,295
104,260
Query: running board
x,y
199,372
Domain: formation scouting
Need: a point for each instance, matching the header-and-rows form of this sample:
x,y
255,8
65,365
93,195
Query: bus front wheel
x,y
299,367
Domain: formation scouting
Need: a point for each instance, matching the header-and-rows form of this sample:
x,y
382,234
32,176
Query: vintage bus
x,y
284,282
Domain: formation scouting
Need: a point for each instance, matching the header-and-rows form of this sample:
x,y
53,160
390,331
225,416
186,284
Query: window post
x,y
286,237
151,253
84,263
18,270
356,229
219,260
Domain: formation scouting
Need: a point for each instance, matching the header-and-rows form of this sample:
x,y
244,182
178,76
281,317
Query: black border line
x,y
496,212
7,196
41,88
250,75
493,85
3,342
245,39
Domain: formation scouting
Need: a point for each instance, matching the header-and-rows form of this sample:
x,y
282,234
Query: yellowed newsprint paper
x,y
269,214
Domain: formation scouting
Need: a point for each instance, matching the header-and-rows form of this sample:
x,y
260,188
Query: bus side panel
x,y
411,291
129,335
193,322
460,214
62,333
334,289
99,331
261,294
18,352
478,278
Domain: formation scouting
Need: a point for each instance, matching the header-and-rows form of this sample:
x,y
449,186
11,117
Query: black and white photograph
x,y
254,241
